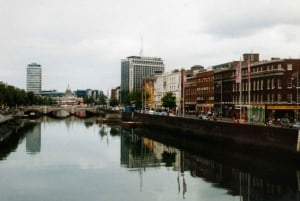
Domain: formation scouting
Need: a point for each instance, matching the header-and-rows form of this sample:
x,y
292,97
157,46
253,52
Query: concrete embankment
x,y
5,118
268,138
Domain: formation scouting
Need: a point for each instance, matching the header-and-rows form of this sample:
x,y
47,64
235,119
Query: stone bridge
x,y
72,110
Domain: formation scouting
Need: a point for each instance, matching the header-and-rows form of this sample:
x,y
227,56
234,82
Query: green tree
x,y
135,98
88,100
113,102
169,100
31,98
102,99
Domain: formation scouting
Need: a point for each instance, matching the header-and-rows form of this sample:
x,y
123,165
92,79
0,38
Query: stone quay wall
x,y
272,138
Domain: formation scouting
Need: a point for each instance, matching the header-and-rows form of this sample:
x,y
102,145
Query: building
x,y
205,92
68,99
34,78
269,91
190,89
226,89
115,93
167,82
148,92
134,69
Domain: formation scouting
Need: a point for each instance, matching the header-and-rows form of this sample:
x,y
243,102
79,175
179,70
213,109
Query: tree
x,y
169,100
88,100
135,97
113,102
102,99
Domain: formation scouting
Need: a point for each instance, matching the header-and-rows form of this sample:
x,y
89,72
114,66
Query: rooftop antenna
x,y
142,48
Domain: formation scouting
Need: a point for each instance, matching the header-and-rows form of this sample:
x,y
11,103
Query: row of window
x,y
271,98
259,85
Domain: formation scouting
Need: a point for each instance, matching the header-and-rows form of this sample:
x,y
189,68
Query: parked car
x,y
203,117
285,122
296,125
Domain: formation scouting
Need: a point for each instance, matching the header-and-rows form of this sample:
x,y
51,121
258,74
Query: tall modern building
x,y
134,69
34,78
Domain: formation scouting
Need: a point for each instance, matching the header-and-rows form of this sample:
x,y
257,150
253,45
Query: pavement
x,y
226,119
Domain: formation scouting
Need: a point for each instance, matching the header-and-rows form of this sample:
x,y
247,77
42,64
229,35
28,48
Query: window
x,y
290,67
289,98
289,82
278,97
279,84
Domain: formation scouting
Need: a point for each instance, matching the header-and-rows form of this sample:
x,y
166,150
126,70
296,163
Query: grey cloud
x,y
241,20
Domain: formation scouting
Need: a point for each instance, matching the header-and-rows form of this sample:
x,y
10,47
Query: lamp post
x,y
297,98
220,83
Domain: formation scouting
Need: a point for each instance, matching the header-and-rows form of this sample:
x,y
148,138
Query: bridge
x,y
71,110
76,110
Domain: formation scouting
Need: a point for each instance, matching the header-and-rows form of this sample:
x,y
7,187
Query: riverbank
x,y
5,118
8,126
252,136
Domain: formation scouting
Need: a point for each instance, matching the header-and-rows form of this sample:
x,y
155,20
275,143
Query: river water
x,y
77,159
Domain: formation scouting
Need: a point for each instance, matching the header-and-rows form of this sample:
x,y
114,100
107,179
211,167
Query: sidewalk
x,y
226,119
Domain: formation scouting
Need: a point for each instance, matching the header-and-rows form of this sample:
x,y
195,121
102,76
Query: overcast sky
x,y
82,42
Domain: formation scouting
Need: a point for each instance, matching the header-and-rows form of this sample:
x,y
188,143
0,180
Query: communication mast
x,y
142,48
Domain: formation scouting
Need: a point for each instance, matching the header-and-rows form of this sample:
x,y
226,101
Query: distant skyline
x,y
81,43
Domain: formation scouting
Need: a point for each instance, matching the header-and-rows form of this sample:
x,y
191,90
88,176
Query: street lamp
x,y
297,98
220,84
297,85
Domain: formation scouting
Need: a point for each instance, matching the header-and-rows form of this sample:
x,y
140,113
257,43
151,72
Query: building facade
x,y
34,78
134,69
269,91
190,89
205,91
168,82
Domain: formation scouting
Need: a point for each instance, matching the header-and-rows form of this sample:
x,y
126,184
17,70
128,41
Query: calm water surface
x,y
77,159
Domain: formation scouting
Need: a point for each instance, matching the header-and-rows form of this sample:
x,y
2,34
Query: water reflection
x,y
13,137
139,153
33,140
143,164
244,178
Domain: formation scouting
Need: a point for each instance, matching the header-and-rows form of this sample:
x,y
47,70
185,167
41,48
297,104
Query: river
x,y
77,159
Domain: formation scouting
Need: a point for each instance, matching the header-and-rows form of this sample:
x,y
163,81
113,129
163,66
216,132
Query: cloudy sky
x,y
82,42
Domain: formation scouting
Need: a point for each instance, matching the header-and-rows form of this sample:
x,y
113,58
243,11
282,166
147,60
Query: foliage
x,y
91,100
102,99
135,98
88,100
12,96
169,100
113,102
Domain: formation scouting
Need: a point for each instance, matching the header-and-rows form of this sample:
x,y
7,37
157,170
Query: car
x,y
150,112
296,125
203,117
172,115
285,122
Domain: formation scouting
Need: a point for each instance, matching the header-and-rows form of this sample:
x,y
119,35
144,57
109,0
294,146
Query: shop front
x,y
274,112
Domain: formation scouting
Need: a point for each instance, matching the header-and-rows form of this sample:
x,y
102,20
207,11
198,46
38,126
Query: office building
x,y
34,78
134,69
